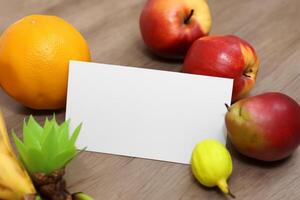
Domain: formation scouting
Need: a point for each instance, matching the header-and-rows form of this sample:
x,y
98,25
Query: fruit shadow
x,y
41,115
28,111
254,162
147,52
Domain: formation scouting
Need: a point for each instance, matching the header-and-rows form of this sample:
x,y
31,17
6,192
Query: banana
x,y
15,182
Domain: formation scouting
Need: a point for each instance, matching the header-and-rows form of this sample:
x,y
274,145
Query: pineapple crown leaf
x,y
48,148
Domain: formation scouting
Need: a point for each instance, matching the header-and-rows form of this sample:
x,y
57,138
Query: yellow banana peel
x,y
15,182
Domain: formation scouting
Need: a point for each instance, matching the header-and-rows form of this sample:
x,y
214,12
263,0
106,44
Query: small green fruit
x,y
212,165
81,196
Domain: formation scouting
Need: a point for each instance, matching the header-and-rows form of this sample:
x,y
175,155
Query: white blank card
x,y
145,113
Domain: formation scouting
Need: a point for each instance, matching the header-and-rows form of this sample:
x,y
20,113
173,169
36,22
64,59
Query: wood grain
x,y
111,28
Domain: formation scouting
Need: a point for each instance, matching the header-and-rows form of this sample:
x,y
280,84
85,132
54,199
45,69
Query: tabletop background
x,y
111,29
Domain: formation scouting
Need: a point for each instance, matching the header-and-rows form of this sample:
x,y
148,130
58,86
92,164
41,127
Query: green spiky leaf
x,y
61,159
29,136
21,147
48,148
75,134
37,161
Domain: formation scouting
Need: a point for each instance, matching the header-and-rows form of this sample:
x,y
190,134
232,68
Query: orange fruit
x,y
34,57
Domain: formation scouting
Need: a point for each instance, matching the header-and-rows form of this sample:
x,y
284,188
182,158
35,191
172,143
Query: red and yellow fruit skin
x,y
224,56
265,127
164,31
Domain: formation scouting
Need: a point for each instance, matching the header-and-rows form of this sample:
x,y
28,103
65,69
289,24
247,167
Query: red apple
x,y
265,127
169,27
224,56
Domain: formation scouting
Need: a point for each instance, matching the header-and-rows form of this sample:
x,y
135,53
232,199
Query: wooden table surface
x,y
111,29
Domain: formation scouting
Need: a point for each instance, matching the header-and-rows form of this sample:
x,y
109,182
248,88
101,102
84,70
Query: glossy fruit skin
x,y
163,28
265,127
34,58
211,164
225,56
